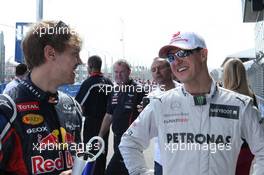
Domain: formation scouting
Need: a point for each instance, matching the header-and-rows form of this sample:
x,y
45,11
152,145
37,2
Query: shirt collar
x,y
38,93
209,97
96,74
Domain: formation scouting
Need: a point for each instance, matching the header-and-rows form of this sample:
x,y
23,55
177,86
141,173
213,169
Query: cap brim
x,y
165,49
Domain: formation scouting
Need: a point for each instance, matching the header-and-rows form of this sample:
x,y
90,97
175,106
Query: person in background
x,y
235,79
20,74
199,125
93,97
121,112
38,123
162,74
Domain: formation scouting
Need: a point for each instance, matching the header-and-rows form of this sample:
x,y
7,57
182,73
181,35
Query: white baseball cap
x,y
183,40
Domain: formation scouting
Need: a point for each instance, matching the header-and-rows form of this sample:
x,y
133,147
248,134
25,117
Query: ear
x,y
49,53
204,53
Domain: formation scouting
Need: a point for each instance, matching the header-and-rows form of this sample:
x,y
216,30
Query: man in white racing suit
x,y
200,126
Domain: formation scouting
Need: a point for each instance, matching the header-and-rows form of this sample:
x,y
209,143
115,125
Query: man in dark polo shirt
x,y
93,97
121,112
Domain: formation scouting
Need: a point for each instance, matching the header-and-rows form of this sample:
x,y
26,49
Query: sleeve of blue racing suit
x,y
253,132
136,139
11,157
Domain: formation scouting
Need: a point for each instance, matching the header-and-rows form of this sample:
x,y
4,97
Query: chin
x,y
183,79
186,80
70,81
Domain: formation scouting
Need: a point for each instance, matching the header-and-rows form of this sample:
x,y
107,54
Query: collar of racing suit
x,y
208,97
93,74
38,93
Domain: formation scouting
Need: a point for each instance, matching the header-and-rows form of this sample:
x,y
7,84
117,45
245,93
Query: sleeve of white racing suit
x,y
136,139
253,132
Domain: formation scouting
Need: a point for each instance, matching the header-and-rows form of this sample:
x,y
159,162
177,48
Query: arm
x,y
105,126
11,157
136,139
254,134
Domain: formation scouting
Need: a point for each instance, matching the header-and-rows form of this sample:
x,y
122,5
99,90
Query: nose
x,y
177,61
117,74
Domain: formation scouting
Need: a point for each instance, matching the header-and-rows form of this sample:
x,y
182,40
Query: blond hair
x,y
235,77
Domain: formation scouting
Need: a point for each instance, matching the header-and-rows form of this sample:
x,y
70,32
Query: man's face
x,y
161,71
66,63
187,68
121,73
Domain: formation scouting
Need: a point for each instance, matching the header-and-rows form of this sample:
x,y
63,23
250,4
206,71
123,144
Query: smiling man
x,y
35,118
200,125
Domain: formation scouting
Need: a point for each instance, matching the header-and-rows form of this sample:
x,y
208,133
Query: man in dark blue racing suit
x,y
40,127
121,112
93,97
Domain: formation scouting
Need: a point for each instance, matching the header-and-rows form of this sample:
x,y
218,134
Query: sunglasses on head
x,y
181,54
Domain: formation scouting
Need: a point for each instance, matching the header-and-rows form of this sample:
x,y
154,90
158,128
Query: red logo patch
x,y
40,165
28,106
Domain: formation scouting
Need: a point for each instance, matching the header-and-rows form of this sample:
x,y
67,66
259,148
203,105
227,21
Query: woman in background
x,y
235,79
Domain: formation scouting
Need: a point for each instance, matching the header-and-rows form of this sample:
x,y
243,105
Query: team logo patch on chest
x,y
32,119
28,106
224,111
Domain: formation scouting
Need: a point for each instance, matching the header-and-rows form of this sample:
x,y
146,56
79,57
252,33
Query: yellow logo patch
x,y
32,119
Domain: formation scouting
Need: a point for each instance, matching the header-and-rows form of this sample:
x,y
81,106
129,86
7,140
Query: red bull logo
x,y
66,137
51,141
40,165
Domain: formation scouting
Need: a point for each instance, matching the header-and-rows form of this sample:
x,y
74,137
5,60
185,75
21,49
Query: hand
x,y
68,172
